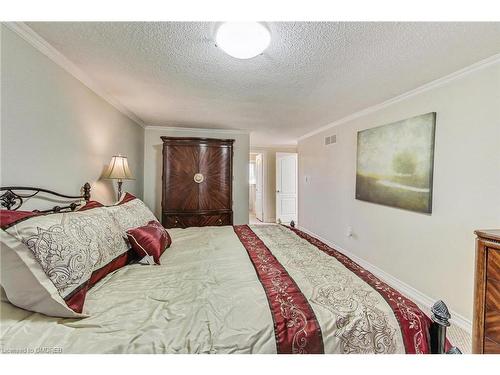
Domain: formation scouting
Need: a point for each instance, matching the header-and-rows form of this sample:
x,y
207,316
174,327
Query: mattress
x,y
242,289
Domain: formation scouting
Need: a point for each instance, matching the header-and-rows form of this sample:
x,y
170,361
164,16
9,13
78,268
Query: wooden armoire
x,y
486,322
197,182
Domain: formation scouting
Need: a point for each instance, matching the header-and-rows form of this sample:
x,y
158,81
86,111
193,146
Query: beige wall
x,y
432,253
55,132
269,162
153,165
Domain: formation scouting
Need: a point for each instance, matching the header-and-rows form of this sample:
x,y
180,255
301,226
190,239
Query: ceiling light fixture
x,y
243,40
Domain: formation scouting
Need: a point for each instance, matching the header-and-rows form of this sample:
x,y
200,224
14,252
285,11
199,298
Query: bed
x,y
234,289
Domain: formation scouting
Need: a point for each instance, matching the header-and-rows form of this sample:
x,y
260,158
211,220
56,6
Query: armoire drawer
x,y
493,267
492,313
491,347
215,220
486,319
180,221
196,220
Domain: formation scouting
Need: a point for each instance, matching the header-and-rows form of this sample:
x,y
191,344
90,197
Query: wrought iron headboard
x,y
12,199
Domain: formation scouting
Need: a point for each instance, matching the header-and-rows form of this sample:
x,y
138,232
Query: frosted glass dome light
x,y
243,40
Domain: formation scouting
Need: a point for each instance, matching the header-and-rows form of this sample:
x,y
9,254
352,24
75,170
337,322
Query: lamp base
x,y
120,182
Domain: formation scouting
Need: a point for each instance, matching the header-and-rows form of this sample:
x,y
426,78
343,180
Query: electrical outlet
x,y
349,232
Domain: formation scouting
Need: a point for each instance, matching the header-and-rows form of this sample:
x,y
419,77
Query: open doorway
x,y
286,187
256,193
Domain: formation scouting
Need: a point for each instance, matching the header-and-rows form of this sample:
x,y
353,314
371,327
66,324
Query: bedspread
x,y
242,289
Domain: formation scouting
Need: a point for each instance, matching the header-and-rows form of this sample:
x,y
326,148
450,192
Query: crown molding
x,y
196,130
421,89
39,43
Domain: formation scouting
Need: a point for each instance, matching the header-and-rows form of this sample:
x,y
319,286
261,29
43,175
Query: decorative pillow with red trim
x,y
9,218
126,197
89,205
74,249
25,283
130,212
151,239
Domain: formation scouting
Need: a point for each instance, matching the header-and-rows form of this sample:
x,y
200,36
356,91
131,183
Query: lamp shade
x,y
118,169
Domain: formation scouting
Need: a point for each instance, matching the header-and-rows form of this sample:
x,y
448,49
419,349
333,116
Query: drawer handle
x,y
219,221
198,178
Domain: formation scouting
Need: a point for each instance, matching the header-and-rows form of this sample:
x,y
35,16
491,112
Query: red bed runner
x,y
413,322
295,325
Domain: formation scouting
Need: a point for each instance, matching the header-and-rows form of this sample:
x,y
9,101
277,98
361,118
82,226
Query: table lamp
x,y
118,170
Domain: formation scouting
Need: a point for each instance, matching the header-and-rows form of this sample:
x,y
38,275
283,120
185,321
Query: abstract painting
x,y
395,164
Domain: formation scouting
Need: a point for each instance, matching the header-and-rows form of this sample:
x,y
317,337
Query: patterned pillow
x,y
9,218
89,205
74,249
151,239
25,283
130,212
126,197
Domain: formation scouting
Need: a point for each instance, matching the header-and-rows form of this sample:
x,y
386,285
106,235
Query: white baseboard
x,y
414,294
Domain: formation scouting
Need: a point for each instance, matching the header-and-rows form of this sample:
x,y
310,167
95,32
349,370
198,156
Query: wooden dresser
x,y
197,182
486,324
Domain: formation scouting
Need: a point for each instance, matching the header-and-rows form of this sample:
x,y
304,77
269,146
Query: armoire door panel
x,y
215,190
181,192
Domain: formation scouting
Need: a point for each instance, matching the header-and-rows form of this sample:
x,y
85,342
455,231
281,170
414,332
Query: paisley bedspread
x,y
242,289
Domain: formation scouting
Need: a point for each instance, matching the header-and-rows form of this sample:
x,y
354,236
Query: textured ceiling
x,y
172,74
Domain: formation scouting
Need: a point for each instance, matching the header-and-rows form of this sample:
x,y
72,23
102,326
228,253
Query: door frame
x,y
263,187
296,184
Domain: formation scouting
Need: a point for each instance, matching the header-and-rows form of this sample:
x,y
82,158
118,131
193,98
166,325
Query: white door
x,y
286,187
259,212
